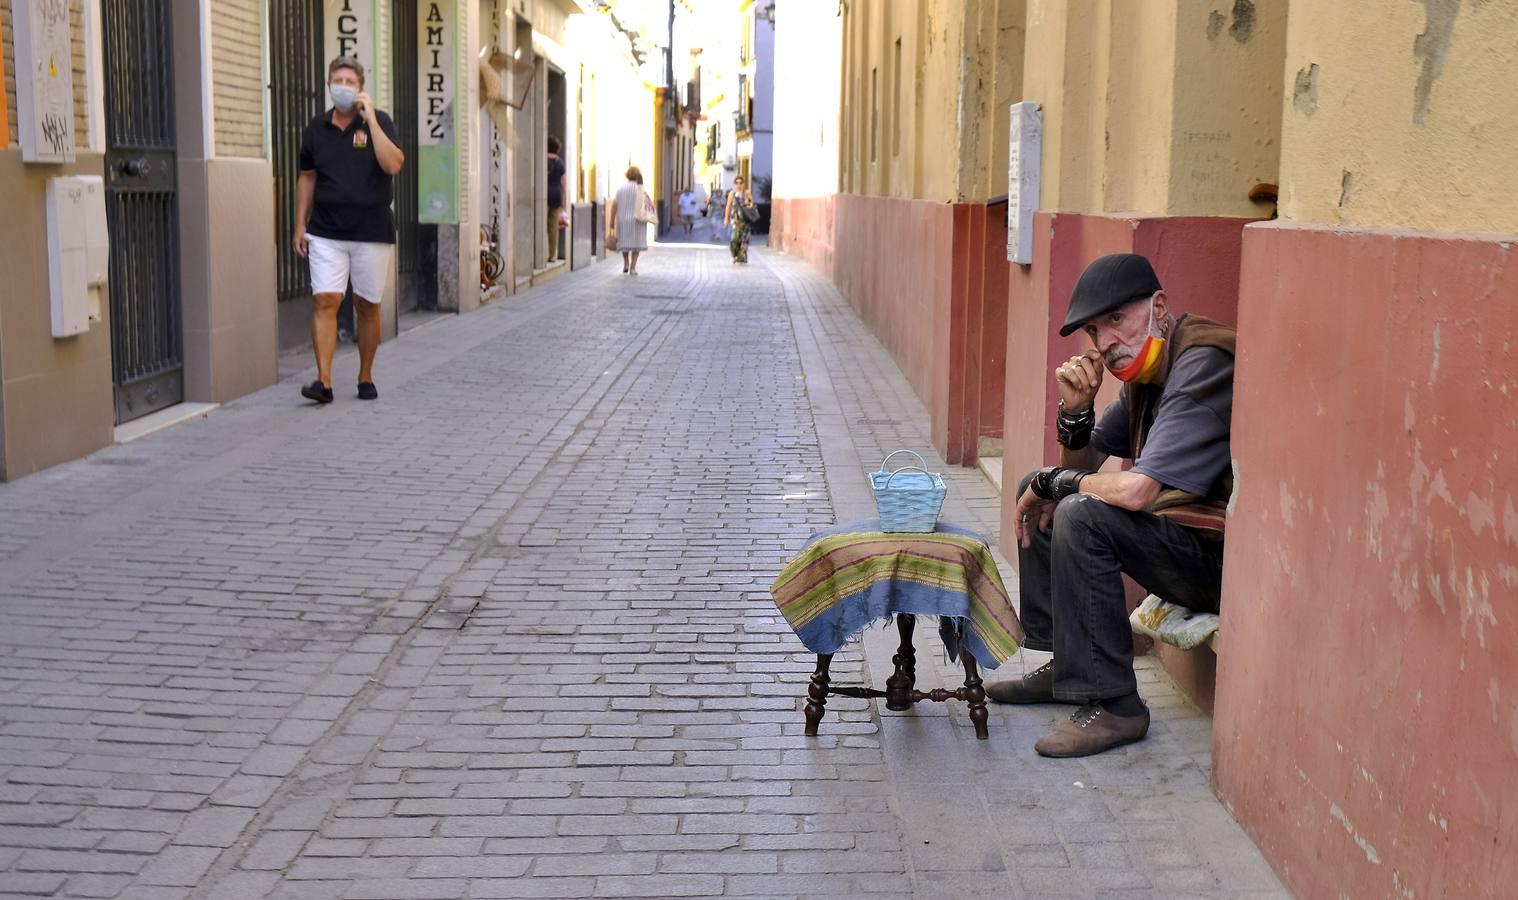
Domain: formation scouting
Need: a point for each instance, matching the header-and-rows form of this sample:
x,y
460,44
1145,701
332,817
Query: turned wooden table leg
x,y
975,695
899,685
817,694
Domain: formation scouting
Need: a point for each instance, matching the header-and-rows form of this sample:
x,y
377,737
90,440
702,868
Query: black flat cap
x,y
1109,282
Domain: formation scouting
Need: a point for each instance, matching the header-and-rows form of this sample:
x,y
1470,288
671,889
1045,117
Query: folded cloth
x,y
852,575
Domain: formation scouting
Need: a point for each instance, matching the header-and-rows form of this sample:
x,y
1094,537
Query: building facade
x,y
1330,179
920,89
193,124
754,117
183,312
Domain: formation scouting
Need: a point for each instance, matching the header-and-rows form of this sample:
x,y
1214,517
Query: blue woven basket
x,y
908,498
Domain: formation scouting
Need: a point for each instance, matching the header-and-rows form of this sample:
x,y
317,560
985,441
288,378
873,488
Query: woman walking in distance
x,y
740,206
626,214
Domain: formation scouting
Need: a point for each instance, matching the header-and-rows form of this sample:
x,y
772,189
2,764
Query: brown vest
x,y
1143,401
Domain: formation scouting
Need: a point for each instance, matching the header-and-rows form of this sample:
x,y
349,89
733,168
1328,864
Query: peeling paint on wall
x,y
1304,97
1431,47
1370,852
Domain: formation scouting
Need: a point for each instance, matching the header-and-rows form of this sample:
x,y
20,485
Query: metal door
x,y
142,208
298,91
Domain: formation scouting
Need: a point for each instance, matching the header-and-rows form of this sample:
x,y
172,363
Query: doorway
x,y
297,91
558,129
142,208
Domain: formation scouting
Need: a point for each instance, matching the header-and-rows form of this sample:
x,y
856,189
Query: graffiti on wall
x,y
44,81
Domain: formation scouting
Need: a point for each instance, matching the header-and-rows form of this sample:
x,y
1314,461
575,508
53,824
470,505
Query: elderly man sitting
x,y
1161,521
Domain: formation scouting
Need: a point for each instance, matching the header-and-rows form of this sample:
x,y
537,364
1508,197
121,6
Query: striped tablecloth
x,y
854,574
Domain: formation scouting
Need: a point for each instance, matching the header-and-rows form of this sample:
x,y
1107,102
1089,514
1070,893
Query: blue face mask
x,y
343,97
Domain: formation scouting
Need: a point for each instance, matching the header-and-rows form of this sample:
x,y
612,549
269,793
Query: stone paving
x,y
506,633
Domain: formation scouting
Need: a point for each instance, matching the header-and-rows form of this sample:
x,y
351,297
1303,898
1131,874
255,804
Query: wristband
x,y
1073,430
1054,483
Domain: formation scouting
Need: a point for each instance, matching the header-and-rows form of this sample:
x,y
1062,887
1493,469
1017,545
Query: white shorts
x,y
334,262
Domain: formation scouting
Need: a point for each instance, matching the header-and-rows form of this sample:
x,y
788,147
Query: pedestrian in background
x,y
690,207
556,190
738,216
714,203
628,212
343,223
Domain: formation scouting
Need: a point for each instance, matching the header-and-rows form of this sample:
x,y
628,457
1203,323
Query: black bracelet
x,y
1073,430
1056,483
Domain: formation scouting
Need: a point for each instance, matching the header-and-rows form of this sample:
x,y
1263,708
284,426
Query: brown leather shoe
x,y
1092,730
1035,687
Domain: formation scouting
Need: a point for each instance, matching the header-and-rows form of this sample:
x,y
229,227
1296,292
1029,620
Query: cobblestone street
x,y
506,632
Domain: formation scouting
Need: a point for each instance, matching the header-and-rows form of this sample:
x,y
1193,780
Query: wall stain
x,y
1215,20
1346,187
1242,28
1431,47
1305,95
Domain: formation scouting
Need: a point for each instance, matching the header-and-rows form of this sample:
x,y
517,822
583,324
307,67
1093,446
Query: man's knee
x,y
327,302
1081,513
366,309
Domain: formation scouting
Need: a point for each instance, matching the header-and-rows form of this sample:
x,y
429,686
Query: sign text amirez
x,y
437,83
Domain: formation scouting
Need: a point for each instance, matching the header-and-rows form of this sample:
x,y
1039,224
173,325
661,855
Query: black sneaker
x,y
317,391
367,391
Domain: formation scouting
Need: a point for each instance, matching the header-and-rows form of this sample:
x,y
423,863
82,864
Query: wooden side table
x,y
901,691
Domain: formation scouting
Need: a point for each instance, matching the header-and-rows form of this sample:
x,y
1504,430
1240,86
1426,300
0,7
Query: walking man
x,y
343,223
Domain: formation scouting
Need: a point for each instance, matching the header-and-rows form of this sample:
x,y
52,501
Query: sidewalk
x,y
506,633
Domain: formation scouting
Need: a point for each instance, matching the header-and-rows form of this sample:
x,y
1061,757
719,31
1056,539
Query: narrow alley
x,y
507,633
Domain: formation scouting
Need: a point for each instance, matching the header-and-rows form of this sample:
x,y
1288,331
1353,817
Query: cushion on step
x,y
1175,625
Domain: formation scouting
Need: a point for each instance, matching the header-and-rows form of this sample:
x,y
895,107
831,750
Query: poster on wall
x,y
436,90
1024,159
44,80
349,31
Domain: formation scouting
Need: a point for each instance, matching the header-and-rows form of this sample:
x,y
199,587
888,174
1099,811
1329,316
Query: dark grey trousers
x,y
1072,592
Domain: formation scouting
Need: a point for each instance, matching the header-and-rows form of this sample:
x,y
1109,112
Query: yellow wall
x,y
1397,137
1156,106
930,117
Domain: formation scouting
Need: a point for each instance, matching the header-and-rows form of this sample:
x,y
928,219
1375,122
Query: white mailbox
x,y
78,251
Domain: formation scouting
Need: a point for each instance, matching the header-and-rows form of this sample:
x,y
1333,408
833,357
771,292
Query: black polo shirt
x,y
352,201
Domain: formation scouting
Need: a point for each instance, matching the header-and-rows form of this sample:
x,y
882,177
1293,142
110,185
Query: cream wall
x,y
1409,120
930,117
1156,106
922,163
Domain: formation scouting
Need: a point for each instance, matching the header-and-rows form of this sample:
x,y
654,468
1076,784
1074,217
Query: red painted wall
x,y
1367,726
917,272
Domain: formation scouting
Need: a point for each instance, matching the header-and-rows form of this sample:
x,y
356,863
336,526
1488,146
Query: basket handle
x,y
921,463
896,472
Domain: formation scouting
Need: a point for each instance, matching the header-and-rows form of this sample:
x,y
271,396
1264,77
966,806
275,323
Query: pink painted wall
x,y
803,227
1367,724
892,263
981,282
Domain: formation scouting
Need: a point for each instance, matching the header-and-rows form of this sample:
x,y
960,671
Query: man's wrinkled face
x,y
1119,334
